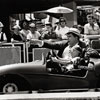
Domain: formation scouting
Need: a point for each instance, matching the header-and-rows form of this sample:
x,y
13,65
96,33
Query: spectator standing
x,y
62,29
25,29
40,27
3,37
97,15
12,24
91,28
81,29
49,34
35,34
16,35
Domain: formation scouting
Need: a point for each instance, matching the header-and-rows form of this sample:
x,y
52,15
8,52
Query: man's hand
x,y
91,66
54,59
76,60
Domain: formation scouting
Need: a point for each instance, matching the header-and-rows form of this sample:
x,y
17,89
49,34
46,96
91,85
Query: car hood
x,y
30,67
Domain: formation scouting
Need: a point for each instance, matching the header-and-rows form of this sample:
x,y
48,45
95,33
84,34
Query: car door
x,y
49,81
60,81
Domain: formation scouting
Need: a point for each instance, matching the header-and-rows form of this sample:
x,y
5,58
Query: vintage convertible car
x,y
34,76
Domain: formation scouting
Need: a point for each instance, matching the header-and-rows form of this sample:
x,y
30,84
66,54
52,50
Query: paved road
x,y
53,96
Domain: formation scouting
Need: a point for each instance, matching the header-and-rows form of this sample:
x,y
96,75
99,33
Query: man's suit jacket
x,y
61,45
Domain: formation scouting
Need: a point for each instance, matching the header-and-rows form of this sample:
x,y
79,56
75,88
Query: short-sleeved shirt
x,y
62,31
89,30
35,35
25,33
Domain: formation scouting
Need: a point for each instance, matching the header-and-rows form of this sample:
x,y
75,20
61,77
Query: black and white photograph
x,y
49,49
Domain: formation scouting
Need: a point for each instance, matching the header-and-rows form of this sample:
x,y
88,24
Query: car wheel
x,y
9,88
14,83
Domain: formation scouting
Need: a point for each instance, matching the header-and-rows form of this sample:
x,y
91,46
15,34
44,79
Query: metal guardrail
x,y
28,53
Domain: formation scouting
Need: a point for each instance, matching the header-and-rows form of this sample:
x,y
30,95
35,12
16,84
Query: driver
x,y
69,51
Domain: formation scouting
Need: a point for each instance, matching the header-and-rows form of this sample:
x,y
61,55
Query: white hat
x,y
32,25
74,31
1,25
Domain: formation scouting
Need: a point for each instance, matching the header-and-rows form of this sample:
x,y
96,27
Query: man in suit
x,y
69,51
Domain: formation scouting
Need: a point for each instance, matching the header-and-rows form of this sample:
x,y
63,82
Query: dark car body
x,y
35,76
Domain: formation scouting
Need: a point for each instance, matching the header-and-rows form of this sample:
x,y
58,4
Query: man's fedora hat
x,y
74,31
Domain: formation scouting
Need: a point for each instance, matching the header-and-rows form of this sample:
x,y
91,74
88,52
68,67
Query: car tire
x,y
14,84
10,87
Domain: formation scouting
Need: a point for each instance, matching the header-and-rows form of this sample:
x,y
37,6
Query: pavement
x,y
52,96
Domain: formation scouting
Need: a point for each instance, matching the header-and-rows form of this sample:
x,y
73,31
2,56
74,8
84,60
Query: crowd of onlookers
x,y
27,30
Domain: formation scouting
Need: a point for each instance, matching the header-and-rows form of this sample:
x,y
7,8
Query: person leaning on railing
x,y
91,28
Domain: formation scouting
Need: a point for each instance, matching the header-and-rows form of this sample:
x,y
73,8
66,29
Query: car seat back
x,y
95,44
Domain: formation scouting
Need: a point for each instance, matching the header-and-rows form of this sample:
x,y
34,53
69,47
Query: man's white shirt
x,y
89,30
62,31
